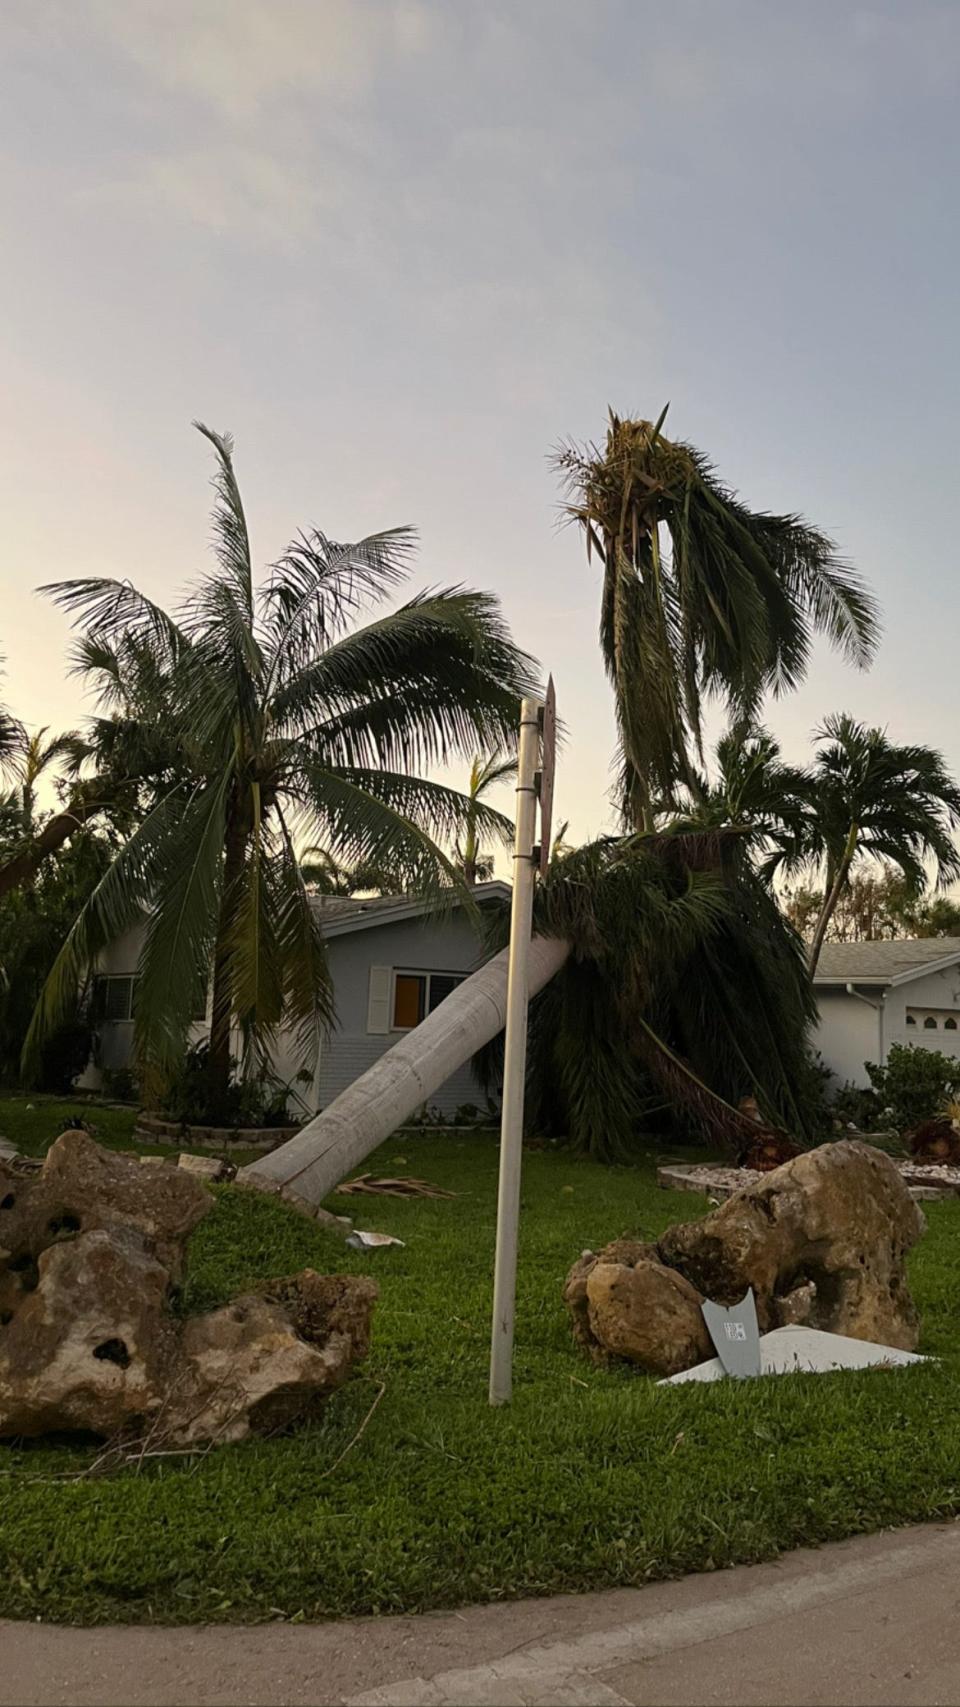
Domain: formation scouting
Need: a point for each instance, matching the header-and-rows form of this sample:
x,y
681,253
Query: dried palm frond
x,y
367,1185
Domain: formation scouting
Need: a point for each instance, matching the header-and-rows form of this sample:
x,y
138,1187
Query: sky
x,y
401,248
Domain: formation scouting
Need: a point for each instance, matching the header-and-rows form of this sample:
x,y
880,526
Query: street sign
x,y
548,767
736,1334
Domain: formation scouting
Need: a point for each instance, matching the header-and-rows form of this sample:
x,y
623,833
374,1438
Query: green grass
x,y
33,1122
591,1478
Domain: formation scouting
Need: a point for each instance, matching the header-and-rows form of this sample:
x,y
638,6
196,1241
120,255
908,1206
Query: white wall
x,y
850,1033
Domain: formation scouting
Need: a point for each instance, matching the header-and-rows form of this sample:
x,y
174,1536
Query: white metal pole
x,y
515,1057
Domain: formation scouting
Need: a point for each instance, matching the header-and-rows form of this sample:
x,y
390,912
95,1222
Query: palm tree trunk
x,y
832,896
23,867
221,1010
335,1142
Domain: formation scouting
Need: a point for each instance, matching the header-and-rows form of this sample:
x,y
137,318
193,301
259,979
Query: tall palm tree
x,y
484,775
701,595
289,722
871,798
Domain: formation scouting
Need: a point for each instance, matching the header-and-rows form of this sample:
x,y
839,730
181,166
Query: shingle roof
x,y
883,962
343,913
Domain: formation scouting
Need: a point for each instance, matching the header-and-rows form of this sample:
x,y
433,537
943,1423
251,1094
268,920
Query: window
x,y
911,1019
416,994
114,998
950,1024
929,1023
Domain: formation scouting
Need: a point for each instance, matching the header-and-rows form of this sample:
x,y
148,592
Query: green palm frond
x,y
319,585
700,595
114,611
181,929
230,535
119,900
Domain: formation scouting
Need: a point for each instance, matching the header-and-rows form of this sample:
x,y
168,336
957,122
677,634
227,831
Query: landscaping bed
x,y
156,1129
926,1181
411,1493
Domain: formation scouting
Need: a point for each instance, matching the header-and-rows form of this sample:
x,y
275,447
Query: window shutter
x,y
378,999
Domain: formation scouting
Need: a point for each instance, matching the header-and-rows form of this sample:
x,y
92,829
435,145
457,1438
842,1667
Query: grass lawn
x,y
590,1478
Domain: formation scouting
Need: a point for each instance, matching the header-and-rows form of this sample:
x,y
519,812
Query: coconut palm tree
x,y
484,775
873,799
289,722
701,595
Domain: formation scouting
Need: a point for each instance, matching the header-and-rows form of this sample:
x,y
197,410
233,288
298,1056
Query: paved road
x,y
869,1623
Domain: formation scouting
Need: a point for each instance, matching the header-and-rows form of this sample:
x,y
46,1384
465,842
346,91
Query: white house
x,y
873,994
392,961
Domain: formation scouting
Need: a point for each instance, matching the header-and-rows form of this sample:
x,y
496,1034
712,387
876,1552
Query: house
x,y
392,960
872,994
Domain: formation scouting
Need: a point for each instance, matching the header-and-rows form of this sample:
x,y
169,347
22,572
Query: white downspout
x,y
878,1010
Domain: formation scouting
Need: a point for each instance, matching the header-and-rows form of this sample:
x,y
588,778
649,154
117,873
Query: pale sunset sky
x,y
400,248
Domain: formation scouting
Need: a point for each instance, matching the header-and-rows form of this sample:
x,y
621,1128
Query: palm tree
x,y
755,793
323,876
871,798
484,775
34,755
287,721
701,595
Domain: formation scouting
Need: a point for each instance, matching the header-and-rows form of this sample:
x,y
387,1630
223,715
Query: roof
x,y
342,914
885,962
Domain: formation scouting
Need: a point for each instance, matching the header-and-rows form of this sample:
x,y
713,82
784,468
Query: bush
x,y
193,1098
119,1084
914,1084
64,1056
855,1105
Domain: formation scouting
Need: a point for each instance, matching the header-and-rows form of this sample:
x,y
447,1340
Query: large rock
x,y
823,1240
91,1345
625,1303
272,1357
91,1248
82,1187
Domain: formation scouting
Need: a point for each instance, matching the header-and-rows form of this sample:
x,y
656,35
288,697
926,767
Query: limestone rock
x,y
625,1303
839,1219
205,1167
89,1345
82,1187
575,1289
90,1250
269,1358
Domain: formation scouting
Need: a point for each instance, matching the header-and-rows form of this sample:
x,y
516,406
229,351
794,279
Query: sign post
x,y
515,1048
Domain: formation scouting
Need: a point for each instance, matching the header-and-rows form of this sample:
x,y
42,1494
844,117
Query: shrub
x,y
914,1084
119,1084
193,1097
856,1105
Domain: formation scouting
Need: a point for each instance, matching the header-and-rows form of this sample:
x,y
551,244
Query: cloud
x,y
239,57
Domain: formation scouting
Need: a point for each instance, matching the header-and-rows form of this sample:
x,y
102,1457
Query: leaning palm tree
x,y
872,799
701,595
484,775
290,723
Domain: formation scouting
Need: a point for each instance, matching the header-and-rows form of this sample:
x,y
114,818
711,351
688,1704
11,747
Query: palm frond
x,y
231,538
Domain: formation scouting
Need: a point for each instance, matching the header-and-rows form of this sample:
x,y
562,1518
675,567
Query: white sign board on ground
x,y
786,1351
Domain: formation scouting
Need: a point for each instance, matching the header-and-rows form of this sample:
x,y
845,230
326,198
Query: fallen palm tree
x,y
668,979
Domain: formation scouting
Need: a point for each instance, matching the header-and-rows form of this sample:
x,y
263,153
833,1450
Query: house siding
x,y
847,1035
849,1032
447,944
415,945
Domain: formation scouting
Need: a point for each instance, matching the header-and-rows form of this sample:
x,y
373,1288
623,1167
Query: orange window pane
x,y
408,998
